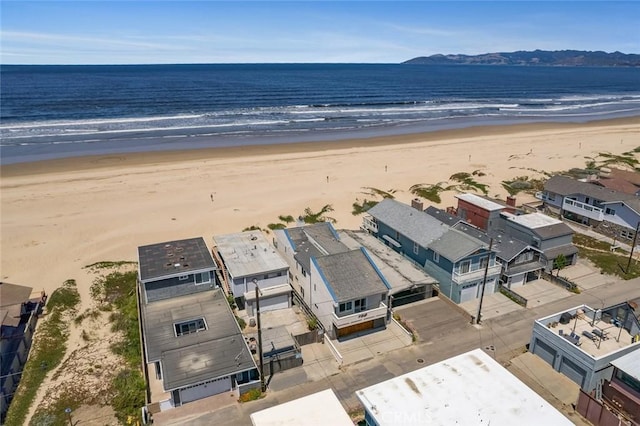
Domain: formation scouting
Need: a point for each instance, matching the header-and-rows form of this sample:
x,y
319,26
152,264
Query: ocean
x,y
61,111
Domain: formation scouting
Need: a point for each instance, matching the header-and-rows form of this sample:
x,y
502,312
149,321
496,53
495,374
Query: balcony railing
x,y
369,225
583,209
359,317
475,274
540,195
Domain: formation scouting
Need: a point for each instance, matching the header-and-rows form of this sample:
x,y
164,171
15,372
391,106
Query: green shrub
x,y
251,395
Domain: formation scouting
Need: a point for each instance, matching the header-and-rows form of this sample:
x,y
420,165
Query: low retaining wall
x,y
513,296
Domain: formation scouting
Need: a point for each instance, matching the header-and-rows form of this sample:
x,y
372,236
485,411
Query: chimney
x,y
417,204
452,211
511,203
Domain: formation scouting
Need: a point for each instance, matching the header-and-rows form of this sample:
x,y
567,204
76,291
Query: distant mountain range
x,y
559,58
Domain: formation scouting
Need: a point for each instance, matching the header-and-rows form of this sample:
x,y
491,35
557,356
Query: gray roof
x,y
506,247
218,351
552,231
13,294
629,363
314,240
442,215
455,245
173,258
247,254
564,185
350,275
567,250
412,223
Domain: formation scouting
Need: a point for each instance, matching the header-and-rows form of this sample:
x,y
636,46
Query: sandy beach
x,y
61,215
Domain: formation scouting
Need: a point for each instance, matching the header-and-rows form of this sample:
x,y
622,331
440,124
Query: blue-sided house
x,y
456,260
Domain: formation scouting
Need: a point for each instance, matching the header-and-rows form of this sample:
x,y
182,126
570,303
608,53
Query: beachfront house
x,y
582,342
247,259
192,344
607,211
341,287
456,260
519,261
550,236
467,389
19,309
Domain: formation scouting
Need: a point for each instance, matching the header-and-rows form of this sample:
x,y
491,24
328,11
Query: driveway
x,y
433,319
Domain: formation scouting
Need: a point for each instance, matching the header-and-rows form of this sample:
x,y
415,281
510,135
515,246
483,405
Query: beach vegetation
x,y
466,182
582,240
286,219
311,217
625,159
430,192
127,387
522,183
273,226
48,350
360,207
252,228
110,264
368,190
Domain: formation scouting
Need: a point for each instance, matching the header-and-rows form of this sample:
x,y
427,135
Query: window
x,y
484,261
360,305
345,307
609,211
397,236
189,327
436,257
203,278
183,277
464,267
626,234
416,248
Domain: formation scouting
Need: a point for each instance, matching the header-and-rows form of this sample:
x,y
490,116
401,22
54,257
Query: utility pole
x,y
633,246
484,282
263,388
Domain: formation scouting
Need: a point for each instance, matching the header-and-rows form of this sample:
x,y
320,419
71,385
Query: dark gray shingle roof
x,y
314,240
173,258
412,223
564,185
350,275
442,215
218,351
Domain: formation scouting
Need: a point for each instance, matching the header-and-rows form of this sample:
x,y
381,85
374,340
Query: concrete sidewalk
x,y
541,292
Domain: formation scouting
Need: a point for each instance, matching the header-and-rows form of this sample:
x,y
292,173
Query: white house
x,y
342,287
248,259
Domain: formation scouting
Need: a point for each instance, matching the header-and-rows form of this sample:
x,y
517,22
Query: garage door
x,y
274,303
572,371
345,331
213,387
468,293
544,351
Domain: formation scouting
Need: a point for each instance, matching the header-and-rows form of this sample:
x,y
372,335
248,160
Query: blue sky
x,y
130,32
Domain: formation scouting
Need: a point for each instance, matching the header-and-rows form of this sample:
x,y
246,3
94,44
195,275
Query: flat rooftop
x,y
400,272
171,258
218,351
614,338
318,409
532,220
468,389
247,254
481,202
